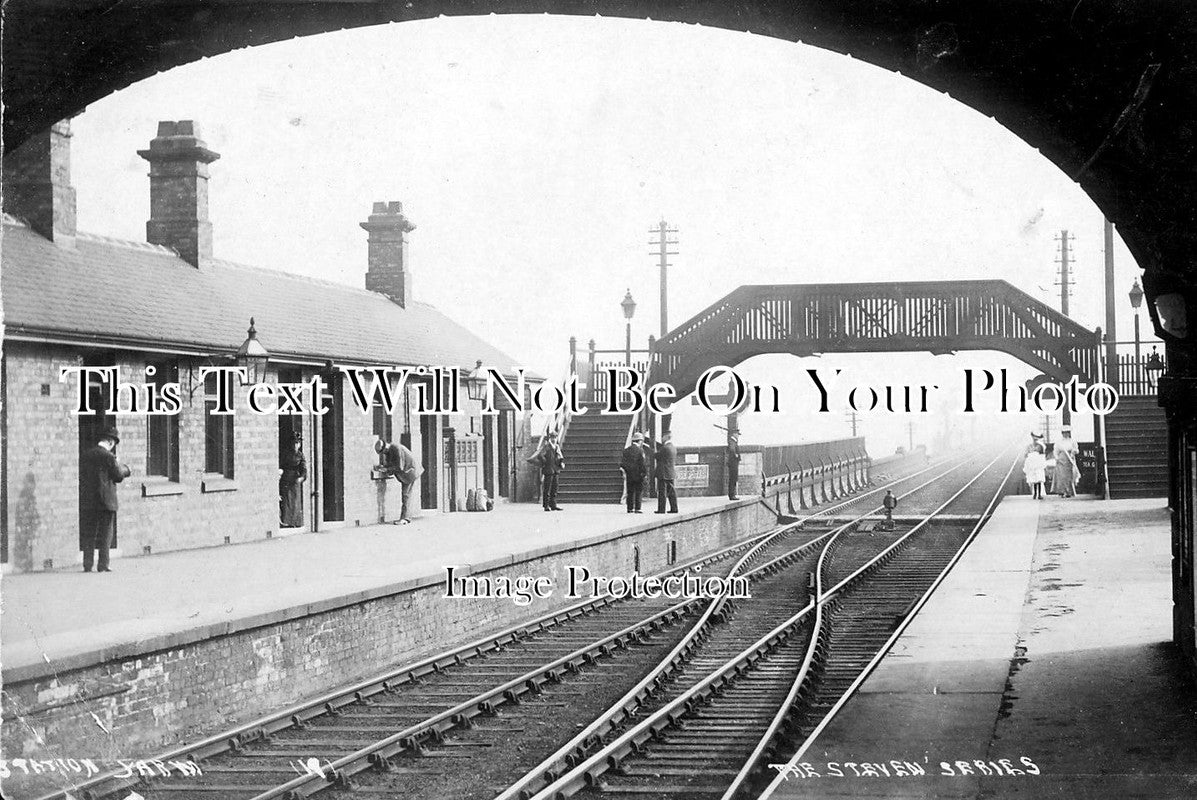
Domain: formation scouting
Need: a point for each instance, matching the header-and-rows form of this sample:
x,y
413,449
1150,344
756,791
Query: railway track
x,y
860,617
740,706
382,724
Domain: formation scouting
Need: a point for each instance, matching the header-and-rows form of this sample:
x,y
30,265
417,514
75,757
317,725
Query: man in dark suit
x,y
397,460
666,472
733,465
99,474
634,465
551,460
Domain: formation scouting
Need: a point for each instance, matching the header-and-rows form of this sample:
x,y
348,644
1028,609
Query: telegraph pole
x,y
1111,365
1065,284
663,243
1111,317
852,418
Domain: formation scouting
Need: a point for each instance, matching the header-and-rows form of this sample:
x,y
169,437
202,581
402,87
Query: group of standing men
x,y
639,454
634,462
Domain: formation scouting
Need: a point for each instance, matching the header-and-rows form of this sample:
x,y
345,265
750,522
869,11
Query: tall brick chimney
x,y
37,184
179,162
389,272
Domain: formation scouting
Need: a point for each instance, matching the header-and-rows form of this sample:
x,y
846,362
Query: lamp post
x,y
629,308
476,383
252,356
1136,300
476,390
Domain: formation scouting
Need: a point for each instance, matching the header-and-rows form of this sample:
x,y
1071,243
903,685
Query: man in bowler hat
x,y
551,460
99,473
634,466
666,472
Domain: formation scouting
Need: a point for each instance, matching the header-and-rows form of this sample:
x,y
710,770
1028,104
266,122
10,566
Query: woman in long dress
x,y
290,486
1033,468
1065,479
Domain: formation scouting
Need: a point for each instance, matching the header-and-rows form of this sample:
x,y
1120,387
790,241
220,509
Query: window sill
x,y
161,487
217,483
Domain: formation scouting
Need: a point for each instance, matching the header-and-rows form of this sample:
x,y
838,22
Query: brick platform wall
x,y
135,706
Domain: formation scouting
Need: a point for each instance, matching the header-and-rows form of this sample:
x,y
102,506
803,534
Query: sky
x,y
535,153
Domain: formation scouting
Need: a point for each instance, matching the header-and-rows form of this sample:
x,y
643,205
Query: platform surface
x,y
67,618
1049,642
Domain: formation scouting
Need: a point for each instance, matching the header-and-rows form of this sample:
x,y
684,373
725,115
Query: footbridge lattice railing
x,y
932,316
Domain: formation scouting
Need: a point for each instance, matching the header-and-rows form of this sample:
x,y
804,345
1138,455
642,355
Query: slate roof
x,y
115,291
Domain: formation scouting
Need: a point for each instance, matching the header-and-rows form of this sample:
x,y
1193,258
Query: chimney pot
x,y
388,270
179,160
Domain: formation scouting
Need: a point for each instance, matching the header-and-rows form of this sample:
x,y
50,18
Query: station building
x,y
202,479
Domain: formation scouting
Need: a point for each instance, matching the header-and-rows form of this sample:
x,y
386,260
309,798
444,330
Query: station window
x,y
218,434
162,436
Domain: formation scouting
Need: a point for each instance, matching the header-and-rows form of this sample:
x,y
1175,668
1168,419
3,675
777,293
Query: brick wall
x,y
197,510
160,698
42,458
198,516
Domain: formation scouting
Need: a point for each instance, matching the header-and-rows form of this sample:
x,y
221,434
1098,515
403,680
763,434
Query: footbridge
x,y
934,316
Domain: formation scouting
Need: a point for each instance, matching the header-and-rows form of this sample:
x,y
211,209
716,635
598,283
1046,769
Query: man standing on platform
x,y
100,472
666,473
634,466
397,460
733,464
551,460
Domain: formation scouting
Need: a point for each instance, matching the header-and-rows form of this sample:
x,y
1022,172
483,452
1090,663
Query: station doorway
x,y
332,451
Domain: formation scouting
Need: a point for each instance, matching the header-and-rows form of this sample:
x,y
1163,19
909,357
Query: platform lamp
x,y
475,386
253,357
1136,300
476,382
629,308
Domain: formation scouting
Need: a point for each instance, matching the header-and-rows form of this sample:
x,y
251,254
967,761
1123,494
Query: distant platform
x,y
1045,655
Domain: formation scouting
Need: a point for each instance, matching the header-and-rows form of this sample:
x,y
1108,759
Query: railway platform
x,y
65,619
1041,668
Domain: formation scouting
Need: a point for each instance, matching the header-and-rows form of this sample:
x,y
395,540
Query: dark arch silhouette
x,y
1106,90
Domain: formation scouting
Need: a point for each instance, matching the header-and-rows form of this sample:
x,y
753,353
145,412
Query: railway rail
x,y
387,723
731,715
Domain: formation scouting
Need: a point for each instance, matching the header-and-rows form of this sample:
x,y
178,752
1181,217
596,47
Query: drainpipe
x,y
315,473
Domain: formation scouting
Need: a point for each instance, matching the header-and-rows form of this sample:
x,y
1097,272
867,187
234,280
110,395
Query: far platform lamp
x,y
476,390
1136,300
253,357
476,383
475,387
629,309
